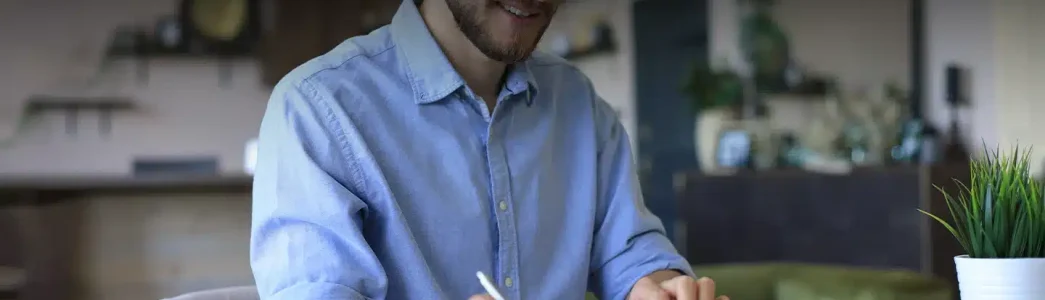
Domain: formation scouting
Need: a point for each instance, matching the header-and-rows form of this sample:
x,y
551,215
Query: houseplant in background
x,y
716,98
728,98
998,217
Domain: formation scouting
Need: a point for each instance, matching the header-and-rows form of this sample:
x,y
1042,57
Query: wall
x,y
612,73
184,110
1001,43
962,31
865,44
1019,56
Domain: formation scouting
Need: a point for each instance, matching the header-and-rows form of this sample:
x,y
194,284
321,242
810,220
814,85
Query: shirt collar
x,y
429,72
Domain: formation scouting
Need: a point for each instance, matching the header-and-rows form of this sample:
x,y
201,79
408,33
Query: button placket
x,y
497,159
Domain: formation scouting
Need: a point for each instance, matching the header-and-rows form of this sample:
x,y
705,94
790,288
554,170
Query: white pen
x,y
489,286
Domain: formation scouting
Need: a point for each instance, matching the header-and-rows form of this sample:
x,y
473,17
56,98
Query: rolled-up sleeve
x,y
306,228
630,241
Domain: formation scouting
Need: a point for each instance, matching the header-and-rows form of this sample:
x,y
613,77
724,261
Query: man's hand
x,y
671,285
664,285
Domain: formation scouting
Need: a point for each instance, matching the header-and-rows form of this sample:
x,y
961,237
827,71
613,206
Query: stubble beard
x,y
467,18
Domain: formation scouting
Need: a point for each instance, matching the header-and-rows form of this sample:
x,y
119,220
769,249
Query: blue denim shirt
x,y
381,176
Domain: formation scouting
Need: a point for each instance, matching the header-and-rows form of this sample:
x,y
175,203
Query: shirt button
x,y
503,205
508,281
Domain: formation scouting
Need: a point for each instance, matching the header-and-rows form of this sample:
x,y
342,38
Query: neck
x,y
482,74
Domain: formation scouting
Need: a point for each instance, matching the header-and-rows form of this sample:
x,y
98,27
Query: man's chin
x,y
517,54
514,58
507,56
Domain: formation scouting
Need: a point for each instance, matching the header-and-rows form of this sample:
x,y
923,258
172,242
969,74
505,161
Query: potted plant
x,y
999,220
715,97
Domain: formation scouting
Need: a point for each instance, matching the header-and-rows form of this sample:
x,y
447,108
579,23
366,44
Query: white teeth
x,y
515,11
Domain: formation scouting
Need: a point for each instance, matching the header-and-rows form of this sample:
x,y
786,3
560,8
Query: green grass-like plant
x,y
1001,213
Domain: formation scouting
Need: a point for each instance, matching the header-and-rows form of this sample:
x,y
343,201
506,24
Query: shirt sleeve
x,y
306,228
630,241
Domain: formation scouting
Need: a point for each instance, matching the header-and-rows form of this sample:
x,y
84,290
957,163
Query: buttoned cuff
x,y
317,291
679,265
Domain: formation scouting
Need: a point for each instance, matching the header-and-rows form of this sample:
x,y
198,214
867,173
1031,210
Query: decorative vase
x,y
708,125
1000,278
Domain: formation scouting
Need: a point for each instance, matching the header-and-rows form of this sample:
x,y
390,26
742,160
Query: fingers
x,y
706,288
654,294
481,297
682,287
646,289
686,288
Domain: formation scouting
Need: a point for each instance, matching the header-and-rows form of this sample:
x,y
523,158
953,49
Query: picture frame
x,y
733,149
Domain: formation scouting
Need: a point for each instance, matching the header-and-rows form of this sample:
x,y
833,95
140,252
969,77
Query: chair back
x,y
229,293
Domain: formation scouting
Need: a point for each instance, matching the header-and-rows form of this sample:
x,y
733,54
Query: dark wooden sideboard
x,y
867,218
41,222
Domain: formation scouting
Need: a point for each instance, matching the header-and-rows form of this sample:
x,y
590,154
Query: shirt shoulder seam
x,y
335,125
344,61
595,102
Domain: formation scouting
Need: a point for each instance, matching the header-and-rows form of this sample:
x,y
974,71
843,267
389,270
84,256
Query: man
x,y
402,162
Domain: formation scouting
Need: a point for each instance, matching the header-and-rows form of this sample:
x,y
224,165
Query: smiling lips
x,y
522,9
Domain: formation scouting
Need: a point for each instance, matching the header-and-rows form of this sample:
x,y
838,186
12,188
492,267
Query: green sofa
x,y
763,282
788,281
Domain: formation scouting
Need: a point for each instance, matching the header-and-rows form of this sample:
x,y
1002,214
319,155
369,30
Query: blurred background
x,y
804,132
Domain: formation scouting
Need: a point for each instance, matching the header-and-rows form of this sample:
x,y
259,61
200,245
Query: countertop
x,y
124,184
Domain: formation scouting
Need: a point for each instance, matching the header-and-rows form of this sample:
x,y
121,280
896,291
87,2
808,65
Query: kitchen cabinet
x,y
303,29
50,232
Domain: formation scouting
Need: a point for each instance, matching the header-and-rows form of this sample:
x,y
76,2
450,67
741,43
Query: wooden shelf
x,y
73,105
53,102
143,60
49,186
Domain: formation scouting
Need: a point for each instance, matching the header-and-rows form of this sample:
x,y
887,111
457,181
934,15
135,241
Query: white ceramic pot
x,y
1001,278
708,126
